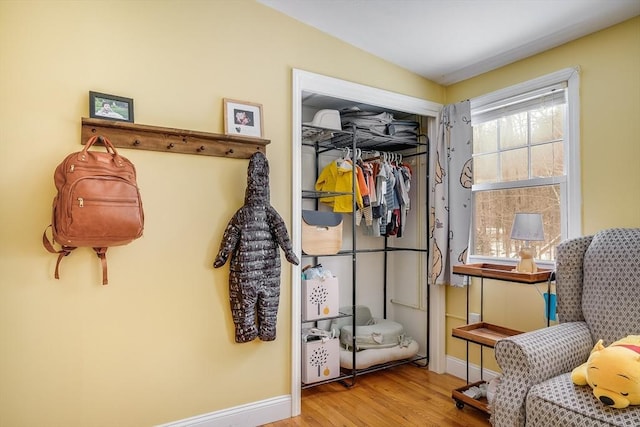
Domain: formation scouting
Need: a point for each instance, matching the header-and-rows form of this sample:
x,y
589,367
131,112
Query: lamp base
x,y
526,263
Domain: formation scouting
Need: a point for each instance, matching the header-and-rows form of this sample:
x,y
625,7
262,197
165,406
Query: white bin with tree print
x,y
319,298
320,360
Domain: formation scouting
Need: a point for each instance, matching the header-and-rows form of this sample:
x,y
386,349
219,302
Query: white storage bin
x,y
319,298
320,360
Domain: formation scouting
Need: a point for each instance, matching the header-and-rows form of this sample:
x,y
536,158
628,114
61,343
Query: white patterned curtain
x,y
450,182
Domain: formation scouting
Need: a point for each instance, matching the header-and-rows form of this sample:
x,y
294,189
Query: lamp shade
x,y
527,226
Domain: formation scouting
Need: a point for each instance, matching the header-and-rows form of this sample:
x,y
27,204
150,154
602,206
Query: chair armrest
x,y
531,358
569,275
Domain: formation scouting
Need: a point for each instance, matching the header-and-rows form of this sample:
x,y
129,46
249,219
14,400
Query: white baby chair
x,y
376,340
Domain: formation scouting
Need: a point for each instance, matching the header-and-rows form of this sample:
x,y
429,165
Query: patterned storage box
x,y
319,298
320,360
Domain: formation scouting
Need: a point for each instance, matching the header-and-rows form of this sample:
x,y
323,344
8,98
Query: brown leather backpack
x,y
98,203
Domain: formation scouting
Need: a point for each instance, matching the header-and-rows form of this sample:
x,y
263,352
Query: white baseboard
x,y
279,408
458,368
249,415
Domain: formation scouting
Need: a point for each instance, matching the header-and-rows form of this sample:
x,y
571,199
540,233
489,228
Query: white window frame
x,y
571,208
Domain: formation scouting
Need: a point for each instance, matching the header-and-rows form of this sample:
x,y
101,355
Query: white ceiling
x,y
452,40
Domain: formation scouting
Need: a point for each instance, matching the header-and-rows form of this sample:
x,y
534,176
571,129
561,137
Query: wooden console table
x,y
486,334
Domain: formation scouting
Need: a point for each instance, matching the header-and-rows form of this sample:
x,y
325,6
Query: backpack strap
x,y
66,250
98,139
48,245
102,254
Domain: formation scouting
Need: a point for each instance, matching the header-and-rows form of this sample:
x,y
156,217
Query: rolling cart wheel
x,y
459,404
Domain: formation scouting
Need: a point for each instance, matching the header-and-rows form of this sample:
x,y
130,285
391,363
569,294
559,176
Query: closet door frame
x,y
304,81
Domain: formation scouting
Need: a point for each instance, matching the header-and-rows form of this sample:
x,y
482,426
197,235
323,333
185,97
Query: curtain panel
x,y
450,179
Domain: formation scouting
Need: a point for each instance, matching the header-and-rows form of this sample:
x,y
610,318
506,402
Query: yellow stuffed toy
x,y
613,372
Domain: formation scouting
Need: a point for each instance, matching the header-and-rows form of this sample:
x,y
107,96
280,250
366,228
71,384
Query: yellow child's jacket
x,y
337,176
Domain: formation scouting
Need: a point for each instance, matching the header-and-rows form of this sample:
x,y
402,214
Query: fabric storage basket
x,y
320,360
319,298
321,232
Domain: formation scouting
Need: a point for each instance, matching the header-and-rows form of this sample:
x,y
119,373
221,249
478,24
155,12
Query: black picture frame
x,y
110,107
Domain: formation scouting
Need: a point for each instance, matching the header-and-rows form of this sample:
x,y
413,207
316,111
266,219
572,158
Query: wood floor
x,y
406,395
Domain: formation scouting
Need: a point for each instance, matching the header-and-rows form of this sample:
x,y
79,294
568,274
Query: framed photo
x,y
242,118
112,107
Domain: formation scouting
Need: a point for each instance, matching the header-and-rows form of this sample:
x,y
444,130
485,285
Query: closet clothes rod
x,y
421,153
390,156
322,148
376,154
380,143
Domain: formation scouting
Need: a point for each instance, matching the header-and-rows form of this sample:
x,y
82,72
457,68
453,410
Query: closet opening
x,y
385,305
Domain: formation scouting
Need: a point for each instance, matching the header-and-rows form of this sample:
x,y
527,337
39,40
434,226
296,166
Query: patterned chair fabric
x,y
598,291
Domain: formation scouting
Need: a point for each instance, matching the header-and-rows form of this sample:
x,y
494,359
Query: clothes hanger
x,y
346,161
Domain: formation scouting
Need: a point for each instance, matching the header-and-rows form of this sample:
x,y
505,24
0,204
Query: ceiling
x,y
452,40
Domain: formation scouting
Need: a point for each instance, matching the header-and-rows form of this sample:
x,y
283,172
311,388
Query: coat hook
x,y
170,146
230,151
136,143
200,149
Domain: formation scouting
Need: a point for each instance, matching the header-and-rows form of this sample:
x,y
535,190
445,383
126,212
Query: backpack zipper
x,y
128,201
80,201
99,169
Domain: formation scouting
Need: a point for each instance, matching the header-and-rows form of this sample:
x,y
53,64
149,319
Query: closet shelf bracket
x,y
155,138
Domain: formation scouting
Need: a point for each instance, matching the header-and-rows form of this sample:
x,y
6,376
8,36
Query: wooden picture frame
x,y
110,107
242,118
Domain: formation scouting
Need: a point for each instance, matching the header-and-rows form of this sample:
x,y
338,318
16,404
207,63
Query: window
x,y
525,159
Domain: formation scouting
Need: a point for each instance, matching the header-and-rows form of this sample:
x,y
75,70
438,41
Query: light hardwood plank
x,y
406,395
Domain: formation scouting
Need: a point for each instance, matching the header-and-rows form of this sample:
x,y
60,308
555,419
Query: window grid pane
x,y
515,165
485,168
547,124
547,160
513,131
519,147
485,137
494,211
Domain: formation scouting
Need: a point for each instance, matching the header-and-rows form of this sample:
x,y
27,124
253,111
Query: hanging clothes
x,y
387,219
382,192
403,184
376,196
368,184
397,203
337,177
406,175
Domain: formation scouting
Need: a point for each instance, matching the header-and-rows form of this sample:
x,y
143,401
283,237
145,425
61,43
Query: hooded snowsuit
x,y
252,238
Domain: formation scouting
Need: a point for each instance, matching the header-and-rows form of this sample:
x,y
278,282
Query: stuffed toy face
x,y
613,372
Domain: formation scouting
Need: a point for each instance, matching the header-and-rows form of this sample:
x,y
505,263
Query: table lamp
x,y
527,227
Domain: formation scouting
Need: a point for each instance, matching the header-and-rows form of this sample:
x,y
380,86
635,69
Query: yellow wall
x,y
609,61
156,344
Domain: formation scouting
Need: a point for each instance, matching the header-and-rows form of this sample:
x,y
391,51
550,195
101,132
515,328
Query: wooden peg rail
x,y
154,138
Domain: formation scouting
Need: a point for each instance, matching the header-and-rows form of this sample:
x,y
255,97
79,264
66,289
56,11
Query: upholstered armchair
x,y
598,297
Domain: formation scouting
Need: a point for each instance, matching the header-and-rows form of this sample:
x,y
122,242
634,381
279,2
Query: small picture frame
x,y
110,107
242,118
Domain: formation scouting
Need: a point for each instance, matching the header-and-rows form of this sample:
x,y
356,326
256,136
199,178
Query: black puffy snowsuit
x,y
252,238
